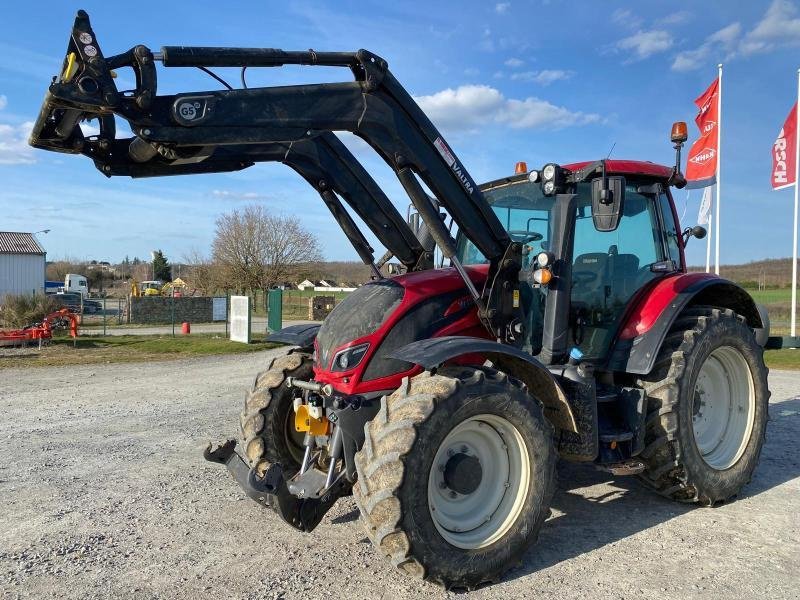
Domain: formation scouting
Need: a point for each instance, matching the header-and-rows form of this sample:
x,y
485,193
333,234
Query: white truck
x,y
76,284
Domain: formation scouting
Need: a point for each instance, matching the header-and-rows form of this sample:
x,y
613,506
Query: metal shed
x,y
22,264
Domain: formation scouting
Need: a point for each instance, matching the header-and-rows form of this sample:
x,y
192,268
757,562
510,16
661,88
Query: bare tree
x,y
257,250
201,273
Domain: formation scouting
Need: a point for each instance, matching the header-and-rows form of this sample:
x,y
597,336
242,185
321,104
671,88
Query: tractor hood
x,y
354,341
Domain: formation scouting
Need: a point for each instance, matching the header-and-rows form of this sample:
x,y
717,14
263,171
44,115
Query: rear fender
x,y
646,326
433,352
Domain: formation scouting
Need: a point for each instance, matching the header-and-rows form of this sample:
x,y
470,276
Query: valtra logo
x,y
702,157
709,127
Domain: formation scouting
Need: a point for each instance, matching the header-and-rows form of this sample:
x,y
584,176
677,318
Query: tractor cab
x,y
608,266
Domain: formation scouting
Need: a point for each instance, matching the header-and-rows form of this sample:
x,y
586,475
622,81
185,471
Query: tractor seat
x,y
589,278
624,269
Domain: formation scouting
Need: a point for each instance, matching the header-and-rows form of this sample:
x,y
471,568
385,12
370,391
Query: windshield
x,y
524,211
608,267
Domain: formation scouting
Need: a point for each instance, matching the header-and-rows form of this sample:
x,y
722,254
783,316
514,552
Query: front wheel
x,y
456,475
707,408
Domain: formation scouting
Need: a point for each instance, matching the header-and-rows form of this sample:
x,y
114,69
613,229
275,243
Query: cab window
x,y
609,267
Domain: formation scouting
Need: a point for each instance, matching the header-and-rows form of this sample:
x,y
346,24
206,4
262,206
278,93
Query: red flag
x,y
701,164
783,153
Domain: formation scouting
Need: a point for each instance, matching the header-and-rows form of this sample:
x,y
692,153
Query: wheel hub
x,y
478,481
463,473
723,408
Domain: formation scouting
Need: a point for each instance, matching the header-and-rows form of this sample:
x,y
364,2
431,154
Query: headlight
x,y
544,259
549,172
349,357
533,176
549,187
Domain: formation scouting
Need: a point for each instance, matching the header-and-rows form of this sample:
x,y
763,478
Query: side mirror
x,y
697,231
608,199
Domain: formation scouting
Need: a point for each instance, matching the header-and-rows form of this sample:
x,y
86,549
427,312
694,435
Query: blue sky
x,y
540,81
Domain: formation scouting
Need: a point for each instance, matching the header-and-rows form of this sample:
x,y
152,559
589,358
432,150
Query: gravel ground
x,y
105,495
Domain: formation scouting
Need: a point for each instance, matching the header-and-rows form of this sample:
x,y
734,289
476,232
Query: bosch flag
x,y
783,153
701,165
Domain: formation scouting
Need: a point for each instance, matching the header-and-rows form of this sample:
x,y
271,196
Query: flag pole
x,y
794,232
708,243
719,168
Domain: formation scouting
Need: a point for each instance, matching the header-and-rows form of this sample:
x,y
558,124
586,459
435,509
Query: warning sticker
x,y
444,151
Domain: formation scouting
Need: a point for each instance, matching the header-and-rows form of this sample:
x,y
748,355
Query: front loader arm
x,y
189,126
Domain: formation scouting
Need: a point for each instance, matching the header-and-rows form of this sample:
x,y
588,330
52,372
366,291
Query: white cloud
x,y
514,63
779,27
626,18
501,8
717,46
470,107
675,18
644,44
231,195
544,77
3,101
14,148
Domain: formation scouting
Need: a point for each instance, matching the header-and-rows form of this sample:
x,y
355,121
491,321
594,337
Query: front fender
x,y
432,352
302,335
653,314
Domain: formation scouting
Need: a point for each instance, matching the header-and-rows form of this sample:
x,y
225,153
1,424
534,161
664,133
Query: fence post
x,y
173,311
274,310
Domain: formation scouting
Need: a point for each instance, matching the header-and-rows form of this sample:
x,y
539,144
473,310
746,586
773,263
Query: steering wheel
x,y
583,277
525,237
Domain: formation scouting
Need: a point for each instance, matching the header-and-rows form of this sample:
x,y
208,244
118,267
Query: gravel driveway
x,y
105,495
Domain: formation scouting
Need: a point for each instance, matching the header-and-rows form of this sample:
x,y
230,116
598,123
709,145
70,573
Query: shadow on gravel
x,y
590,521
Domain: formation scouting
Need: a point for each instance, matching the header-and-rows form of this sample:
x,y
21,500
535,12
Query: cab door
x,y
610,267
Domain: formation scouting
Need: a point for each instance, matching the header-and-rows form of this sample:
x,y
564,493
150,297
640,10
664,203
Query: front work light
x,y
551,178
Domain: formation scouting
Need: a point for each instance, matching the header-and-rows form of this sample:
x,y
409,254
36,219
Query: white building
x,y
22,264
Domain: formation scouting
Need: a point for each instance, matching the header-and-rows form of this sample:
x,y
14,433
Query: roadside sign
x,y
240,319
219,309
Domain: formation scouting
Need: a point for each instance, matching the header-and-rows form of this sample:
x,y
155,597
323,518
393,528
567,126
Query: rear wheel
x,y
267,421
707,408
456,475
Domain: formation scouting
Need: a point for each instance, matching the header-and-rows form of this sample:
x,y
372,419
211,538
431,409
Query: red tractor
x,y
565,326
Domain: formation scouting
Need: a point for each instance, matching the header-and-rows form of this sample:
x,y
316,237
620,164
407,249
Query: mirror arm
x,y
677,179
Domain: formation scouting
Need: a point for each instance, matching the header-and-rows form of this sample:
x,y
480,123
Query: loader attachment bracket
x,y
271,490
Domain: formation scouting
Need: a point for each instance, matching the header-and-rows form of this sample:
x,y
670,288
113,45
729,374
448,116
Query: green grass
x,y
126,348
783,359
771,296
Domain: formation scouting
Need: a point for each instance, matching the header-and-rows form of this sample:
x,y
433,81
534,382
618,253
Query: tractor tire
x,y
267,421
707,408
456,475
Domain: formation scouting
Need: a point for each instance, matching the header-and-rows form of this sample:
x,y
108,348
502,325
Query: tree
x,y
257,250
201,273
161,268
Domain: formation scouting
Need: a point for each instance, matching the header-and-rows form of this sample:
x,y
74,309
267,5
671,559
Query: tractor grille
x,y
362,312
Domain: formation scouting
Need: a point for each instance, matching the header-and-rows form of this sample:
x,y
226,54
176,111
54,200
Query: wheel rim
x,y
294,439
724,408
478,481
